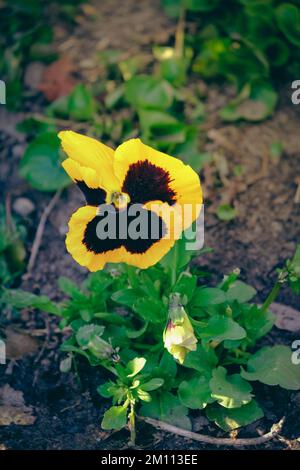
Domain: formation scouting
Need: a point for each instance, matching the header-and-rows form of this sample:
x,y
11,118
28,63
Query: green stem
x,y
274,292
132,422
174,266
179,35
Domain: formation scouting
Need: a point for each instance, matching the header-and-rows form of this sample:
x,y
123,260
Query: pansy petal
x,y
90,153
76,246
155,247
147,174
87,181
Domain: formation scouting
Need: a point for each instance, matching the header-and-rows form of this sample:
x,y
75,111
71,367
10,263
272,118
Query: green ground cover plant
x,y
123,319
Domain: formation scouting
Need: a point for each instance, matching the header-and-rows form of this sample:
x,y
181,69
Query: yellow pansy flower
x,y
133,175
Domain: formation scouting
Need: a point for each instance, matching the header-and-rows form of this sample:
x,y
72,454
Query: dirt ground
x,y
264,234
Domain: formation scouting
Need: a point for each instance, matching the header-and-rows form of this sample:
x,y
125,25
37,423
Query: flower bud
x,y
179,337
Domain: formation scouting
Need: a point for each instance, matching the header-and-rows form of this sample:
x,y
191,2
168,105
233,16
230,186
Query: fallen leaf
x,y
13,409
287,318
19,343
57,79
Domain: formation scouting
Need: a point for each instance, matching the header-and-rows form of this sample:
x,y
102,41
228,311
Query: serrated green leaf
x,y
18,298
150,309
67,286
126,296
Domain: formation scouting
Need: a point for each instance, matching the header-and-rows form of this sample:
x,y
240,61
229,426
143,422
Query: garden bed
x,y
66,408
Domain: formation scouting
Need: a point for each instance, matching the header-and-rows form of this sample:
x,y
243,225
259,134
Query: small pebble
x,y
23,206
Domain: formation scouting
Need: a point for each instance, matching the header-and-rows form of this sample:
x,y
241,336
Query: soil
x,y
264,234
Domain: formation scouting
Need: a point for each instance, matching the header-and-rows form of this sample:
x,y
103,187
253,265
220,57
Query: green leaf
x,y
274,366
207,296
201,5
288,19
256,324
35,126
87,334
229,419
179,257
293,267
105,389
133,334
174,70
220,328
18,298
230,391
114,97
226,212
195,393
147,92
150,309
172,7
143,395
126,296
115,418
241,292
259,104
110,389
203,360
186,285
161,127
4,233
135,366
167,366
188,151
41,164
166,407
81,105
152,384
67,286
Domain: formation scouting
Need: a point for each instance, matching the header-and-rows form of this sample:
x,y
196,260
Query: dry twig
x,y
276,428
40,231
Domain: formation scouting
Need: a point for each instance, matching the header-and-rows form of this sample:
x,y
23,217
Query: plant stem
x,y
132,422
174,266
179,35
274,292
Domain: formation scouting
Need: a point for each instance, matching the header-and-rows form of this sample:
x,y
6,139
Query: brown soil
x,y
258,240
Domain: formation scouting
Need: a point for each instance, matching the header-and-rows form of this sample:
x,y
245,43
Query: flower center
x,y
119,199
